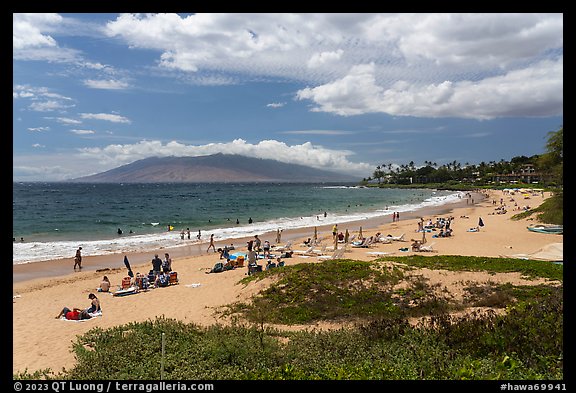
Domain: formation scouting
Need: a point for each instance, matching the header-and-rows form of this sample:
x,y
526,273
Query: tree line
x,y
549,167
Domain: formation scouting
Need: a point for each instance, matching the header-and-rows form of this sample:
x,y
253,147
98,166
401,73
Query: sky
x,y
342,92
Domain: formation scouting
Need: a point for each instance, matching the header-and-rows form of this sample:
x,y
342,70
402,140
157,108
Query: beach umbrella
x,y
127,263
128,266
346,236
480,222
360,233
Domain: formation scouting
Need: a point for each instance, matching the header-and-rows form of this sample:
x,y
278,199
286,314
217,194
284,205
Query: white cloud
x,y
82,132
66,120
31,41
276,105
106,84
27,30
319,59
533,91
38,129
354,94
106,116
49,106
42,99
403,64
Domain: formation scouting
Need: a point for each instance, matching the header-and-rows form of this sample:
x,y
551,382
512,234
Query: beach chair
x,y
427,248
126,282
142,282
397,238
338,254
384,239
365,243
239,261
173,278
321,251
305,252
286,247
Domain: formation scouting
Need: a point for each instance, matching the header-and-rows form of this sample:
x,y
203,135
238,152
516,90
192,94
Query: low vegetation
x,y
551,211
525,342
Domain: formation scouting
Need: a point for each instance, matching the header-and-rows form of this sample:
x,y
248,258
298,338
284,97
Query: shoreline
x,y
61,267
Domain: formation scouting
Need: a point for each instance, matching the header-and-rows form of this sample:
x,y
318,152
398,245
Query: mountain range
x,y
214,168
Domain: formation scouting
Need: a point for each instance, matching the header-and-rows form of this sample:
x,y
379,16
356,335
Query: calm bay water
x,y
55,218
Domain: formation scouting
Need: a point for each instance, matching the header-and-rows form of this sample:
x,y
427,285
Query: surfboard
x,y
126,292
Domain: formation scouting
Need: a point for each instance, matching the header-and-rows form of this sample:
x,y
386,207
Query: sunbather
x,y
104,285
94,305
74,315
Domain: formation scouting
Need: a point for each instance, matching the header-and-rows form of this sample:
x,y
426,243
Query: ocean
x,y
50,220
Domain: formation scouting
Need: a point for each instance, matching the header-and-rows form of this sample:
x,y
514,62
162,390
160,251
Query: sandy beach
x,y
41,289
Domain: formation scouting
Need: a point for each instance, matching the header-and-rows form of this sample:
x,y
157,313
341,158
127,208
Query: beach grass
x,y
528,268
525,343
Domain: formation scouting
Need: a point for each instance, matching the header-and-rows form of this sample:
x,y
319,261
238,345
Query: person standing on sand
x,y
78,259
211,245
156,264
257,243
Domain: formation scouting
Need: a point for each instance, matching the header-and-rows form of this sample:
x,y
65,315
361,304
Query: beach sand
x,y
42,289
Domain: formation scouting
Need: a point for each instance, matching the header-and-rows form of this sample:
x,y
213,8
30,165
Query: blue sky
x,y
342,92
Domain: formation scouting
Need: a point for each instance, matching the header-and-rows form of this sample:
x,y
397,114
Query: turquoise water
x,y
54,218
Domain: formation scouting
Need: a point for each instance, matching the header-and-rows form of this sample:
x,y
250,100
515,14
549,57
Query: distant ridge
x,y
214,168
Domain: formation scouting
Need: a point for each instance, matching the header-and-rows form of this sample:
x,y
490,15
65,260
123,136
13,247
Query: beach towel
x,y
93,315
193,285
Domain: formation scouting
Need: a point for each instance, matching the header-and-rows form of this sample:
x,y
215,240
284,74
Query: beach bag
x,y
163,280
218,267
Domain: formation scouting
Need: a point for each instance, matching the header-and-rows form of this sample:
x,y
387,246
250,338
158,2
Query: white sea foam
x,y
25,252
